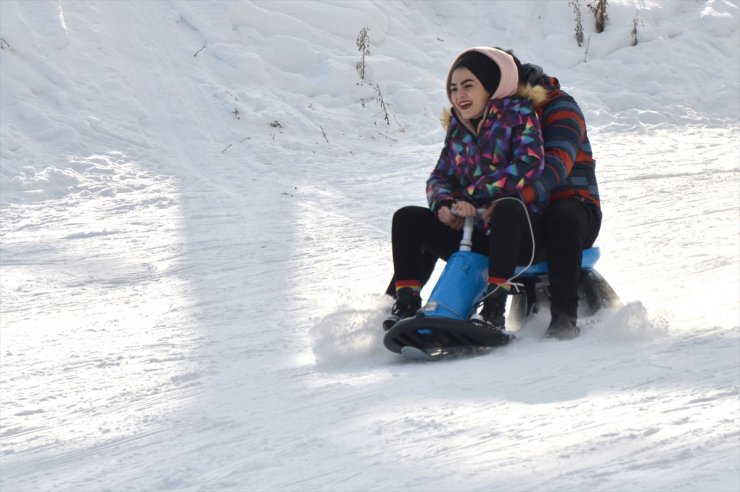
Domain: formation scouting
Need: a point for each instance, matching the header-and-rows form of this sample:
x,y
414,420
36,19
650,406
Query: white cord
x,y
531,259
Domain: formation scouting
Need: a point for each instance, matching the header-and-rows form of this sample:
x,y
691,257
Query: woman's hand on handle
x,y
451,220
464,209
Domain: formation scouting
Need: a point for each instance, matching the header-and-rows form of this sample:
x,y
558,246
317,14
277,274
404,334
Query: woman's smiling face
x,y
468,94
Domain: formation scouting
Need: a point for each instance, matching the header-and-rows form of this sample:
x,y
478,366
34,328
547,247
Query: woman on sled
x,y
493,149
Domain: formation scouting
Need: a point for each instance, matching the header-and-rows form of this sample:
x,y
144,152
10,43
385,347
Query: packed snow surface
x,y
196,201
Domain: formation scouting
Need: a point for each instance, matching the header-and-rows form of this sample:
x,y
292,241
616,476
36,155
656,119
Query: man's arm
x,y
564,130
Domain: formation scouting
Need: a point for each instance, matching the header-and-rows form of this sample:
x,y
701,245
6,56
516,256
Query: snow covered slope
x,y
195,235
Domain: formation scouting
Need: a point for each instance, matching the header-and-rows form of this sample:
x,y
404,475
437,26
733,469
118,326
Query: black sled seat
x,y
594,291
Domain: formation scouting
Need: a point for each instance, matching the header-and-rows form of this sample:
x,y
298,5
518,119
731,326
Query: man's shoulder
x,y
560,99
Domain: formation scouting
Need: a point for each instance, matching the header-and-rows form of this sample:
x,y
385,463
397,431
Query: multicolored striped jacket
x,y
505,156
570,170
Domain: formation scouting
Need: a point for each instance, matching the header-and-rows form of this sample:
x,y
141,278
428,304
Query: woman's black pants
x,y
419,238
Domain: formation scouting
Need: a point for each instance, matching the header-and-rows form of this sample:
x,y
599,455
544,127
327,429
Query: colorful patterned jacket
x,y
505,156
570,170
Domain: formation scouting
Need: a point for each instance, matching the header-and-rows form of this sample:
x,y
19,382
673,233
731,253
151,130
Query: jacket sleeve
x,y
564,130
525,162
442,182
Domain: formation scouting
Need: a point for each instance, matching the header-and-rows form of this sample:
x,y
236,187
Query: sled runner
x,y
443,327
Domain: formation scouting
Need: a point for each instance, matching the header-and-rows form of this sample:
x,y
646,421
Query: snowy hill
x,y
196,201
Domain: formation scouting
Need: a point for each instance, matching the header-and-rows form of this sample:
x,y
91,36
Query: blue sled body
x,y
465,278
461,285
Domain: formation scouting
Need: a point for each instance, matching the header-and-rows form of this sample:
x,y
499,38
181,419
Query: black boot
x,y
408,302
493,313
562,326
